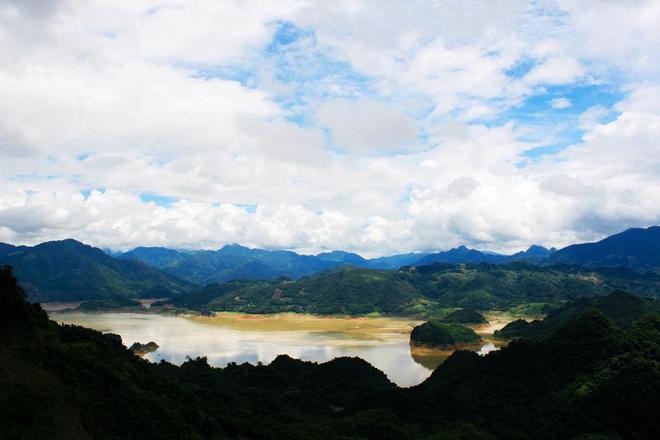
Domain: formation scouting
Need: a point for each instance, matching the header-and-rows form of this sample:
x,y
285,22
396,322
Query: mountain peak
x,y
342,257
233,246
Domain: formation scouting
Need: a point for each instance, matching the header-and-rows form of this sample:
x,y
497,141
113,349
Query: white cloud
x,y
428,152
554,71
366,126
592,116
560,103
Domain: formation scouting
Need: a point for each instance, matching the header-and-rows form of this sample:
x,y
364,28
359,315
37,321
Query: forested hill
x,y
620,308
68,270
588,380
419,291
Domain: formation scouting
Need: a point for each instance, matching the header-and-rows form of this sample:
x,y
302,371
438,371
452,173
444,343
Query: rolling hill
x,y
419,290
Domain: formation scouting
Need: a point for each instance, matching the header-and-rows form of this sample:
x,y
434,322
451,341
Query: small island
x,y
142,349
465,316
438,334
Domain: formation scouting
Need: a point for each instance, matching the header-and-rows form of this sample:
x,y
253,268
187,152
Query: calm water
x,y
383,342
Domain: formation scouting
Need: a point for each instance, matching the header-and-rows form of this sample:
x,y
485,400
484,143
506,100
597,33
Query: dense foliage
x,y
435,333
418,291
620,308
68,271
465,316
589,379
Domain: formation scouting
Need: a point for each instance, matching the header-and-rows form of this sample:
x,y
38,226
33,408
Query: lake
x,y
233,337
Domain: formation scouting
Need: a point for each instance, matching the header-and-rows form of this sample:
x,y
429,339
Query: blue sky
x,y
376,127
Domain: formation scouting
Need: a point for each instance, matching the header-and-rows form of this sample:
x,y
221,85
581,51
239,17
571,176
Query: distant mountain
x,y
389,262
463,255
459,255
534,254
637,249
233,262
68,270
342,257
396,261
158,257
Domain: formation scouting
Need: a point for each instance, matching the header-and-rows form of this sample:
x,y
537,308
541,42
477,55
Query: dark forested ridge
x,y
419,290
589,379
68,270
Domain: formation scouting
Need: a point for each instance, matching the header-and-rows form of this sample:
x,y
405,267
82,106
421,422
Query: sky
x,y
377,127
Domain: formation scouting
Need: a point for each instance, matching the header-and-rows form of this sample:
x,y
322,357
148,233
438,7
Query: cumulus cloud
x,y
368,126
556,70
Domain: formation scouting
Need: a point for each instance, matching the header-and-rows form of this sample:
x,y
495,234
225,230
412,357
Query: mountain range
x,y
636,249
69,270
233,261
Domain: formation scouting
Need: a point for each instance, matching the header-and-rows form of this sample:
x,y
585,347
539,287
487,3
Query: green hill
x,y
343,291
69,270
418,291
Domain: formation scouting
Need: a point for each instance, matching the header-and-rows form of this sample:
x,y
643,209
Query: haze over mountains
x,y
69,270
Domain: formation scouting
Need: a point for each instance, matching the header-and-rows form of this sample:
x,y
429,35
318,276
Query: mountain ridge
x,y
162,270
